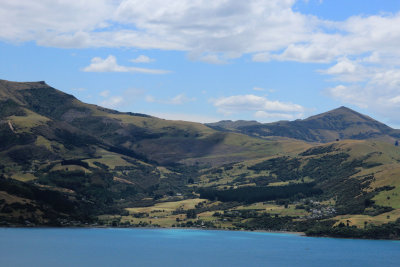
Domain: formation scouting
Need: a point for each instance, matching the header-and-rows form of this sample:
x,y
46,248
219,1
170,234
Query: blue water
x,y
145,247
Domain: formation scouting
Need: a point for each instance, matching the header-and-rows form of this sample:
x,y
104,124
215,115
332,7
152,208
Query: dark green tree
x,y
191,214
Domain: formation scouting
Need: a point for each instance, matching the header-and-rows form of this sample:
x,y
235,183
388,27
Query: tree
x,y
191,214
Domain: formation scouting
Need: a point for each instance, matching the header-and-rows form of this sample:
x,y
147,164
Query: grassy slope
x,y
161,140
48,126
382,162
380,159
189,142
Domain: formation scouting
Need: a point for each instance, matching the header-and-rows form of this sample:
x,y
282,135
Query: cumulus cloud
x,y
185,117
274,116
110,64
344,66
270,29
367,84
253,102
362,51
26,20
379,91
203,28
346,70
211,58
179,99
212,32
259,105
142,59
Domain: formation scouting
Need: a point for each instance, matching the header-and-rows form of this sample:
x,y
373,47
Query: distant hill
x,y
232,125
340,123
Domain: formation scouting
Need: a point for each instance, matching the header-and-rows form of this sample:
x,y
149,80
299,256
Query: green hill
x,y
67,163
52,142
158,140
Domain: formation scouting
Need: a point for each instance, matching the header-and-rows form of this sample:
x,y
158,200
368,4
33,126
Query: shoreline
x,y
149,228
301,234
213,229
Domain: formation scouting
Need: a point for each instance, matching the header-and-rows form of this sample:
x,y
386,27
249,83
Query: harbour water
x,y
181,247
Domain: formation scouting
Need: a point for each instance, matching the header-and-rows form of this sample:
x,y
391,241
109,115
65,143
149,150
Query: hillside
x,y
341,123
67,163
345,188
52,142
152,138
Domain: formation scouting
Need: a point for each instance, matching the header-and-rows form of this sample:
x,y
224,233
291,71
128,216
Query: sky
x,y
205,61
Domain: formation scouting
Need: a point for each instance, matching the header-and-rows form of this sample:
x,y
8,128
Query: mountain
x,y
53,146
67,163
141,135
340,123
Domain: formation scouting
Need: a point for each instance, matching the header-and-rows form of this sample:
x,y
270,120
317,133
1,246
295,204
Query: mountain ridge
x,y
339,123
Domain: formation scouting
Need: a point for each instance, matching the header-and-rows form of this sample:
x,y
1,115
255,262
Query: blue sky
x,y
205,61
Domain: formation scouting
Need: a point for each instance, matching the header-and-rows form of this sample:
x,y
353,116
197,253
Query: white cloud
x,y
206,29
212,58
185,117
379,91
25,20
212,32
105,93
346,70
368,85
260,89
343,66
179,99
110,64
273,116
113,102
142,59
349,94
260,106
